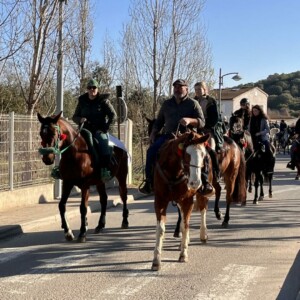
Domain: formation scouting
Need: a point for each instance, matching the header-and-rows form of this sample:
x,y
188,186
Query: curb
x,y
10,231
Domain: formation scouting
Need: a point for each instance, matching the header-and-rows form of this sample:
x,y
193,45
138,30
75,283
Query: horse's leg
x,y
261,184
160,234
66,190
270,185
256,182
249,178
85,192
227,216
125,214
103,203
217,188
202,203
186,208
122,178
177,229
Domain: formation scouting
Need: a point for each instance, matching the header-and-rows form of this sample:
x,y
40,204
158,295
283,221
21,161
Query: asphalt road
x,y
256,257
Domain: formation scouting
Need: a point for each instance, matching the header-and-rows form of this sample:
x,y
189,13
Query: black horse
x,y
262,165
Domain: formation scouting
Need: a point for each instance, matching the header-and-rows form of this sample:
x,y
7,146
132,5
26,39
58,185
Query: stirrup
x,y
146,188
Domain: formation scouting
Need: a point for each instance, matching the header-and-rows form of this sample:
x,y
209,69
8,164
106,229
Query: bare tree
x,y
164,41
12,26
79,29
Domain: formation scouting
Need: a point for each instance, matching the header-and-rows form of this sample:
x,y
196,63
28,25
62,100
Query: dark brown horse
x,y
244,141
177,177
78,167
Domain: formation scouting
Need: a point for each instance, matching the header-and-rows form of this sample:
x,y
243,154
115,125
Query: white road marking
x,y
233,283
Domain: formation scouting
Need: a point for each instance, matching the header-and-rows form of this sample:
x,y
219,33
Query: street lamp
x,y
236,77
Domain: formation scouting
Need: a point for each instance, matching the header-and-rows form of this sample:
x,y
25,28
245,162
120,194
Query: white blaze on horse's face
x,y
197,155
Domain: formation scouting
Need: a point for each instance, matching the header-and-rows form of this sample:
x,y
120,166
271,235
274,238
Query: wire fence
x,y
20,162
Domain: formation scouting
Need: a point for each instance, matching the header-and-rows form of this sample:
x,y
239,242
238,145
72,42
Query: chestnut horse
x,y
177,177
79,167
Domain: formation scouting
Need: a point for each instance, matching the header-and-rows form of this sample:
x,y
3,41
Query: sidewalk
x,y
21,220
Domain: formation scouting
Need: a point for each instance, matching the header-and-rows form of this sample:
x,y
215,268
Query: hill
x,y
284,93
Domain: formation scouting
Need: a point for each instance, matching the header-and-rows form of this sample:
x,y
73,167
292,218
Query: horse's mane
x,y
169,148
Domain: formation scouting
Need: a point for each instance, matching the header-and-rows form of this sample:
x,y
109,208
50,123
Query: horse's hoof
x,y
204,241
81,239
99,229
183,258
225,224
255,202
155,267
219,216
69,236
270,196
125,225
244,203
261,198
176,234
297,178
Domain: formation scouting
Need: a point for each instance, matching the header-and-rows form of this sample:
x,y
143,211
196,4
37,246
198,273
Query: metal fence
x,y
20,162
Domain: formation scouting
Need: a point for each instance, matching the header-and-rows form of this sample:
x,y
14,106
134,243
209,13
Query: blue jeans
x,y
152,153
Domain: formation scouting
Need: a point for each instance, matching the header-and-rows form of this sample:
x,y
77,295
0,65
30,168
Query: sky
x,y
255,38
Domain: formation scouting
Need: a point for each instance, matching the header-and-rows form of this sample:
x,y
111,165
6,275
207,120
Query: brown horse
x,y
78,167
244,141
232,166
177,177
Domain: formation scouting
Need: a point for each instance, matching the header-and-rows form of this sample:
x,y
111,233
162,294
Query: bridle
x,y
184,177
56,148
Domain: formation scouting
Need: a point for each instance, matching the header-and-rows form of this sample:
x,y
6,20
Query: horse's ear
x,y
201,140
40,118
56,118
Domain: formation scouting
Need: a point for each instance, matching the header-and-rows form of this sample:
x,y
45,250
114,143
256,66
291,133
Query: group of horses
x,y
177,176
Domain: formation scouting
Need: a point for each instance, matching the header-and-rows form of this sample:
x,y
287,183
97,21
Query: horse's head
x,y
193,157
236,124
51,136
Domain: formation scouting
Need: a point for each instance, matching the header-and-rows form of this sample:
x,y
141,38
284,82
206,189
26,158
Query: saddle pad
x,y
113,141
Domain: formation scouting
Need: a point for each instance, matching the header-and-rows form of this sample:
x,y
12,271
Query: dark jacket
x,y
211,112
297,126
99,112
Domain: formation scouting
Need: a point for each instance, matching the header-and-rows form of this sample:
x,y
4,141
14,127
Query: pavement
x,y
16,221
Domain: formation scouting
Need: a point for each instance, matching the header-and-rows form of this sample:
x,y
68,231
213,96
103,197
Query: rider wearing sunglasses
x,y
97,114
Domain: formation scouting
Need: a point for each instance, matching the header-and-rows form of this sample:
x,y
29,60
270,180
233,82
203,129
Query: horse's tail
x,y
240,190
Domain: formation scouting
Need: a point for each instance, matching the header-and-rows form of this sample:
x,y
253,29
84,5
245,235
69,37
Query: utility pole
x,y
59,86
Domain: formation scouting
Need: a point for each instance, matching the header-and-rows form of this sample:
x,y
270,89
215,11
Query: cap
x,y
180,82
93,82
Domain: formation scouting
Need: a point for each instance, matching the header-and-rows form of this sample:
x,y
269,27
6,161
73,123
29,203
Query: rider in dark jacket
x,y
244,112
97,114
177,113
213,124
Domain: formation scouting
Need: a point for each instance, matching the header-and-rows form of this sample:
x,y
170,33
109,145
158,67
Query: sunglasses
x,y
91,87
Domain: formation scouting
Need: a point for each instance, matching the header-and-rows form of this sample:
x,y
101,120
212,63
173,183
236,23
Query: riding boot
x,y
291,165
105,164
146,188
215,163
206,187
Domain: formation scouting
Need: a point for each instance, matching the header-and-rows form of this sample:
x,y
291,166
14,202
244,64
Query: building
x,y
231,99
